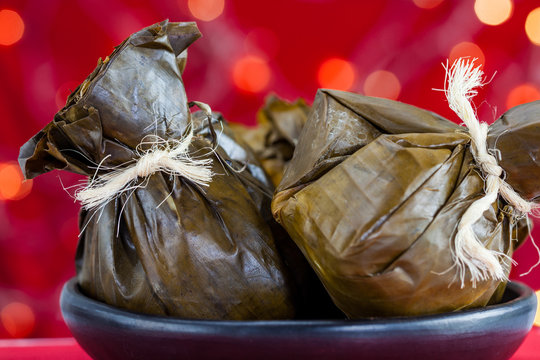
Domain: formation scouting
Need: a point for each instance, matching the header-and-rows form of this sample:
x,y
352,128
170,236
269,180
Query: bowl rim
x,y
76,304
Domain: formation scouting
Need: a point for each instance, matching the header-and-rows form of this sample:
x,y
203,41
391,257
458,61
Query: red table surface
x,y
68,349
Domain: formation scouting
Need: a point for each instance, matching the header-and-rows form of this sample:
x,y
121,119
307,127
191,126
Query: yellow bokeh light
x,y
206,10
493,12
532,26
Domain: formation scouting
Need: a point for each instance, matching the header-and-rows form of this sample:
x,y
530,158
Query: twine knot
x,y
149,163
489,165
462,79
169,156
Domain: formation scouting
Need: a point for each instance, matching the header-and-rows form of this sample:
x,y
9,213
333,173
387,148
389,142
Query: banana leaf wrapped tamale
x,y
310,297
167,244
279,124
378,191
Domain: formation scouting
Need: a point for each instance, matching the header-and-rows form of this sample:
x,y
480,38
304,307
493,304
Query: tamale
x,y
311,300
374,193
279,124
168,245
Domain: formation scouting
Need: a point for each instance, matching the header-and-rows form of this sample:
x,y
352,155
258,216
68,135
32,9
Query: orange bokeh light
x,y
336,74
11,27
251,74
532,26
12,184
206,10
467,49
522,94
18,319
427,4
493,12
382,83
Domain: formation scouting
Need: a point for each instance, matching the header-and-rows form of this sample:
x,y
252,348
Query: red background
x,y
63,39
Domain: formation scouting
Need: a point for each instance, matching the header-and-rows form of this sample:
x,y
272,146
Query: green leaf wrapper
x,y
169,247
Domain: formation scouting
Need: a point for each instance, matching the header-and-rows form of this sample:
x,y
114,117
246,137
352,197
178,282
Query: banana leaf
x,y
169,246
311,298
375,191
279,124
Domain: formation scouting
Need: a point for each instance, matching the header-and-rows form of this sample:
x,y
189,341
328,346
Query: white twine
x,y
169,156
462,79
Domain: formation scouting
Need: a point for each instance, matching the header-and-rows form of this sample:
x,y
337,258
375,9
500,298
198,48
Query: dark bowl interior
x,y
493,332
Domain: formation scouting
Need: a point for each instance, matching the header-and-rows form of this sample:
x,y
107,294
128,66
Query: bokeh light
x,y
522,94
493,12
336,74
427,4
532,26
467,49
11,27
12,183
206,10
382,83
251,74
18,319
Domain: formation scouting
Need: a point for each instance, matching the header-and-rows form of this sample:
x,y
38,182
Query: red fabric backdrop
x,y
249,48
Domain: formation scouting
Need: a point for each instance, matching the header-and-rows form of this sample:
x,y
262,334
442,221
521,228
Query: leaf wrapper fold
x,y
279,124
373,196
168,247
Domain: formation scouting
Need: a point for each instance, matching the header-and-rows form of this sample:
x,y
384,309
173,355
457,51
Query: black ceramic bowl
x,y
493,332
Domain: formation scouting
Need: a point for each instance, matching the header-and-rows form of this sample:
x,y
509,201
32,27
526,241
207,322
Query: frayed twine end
x,y
469,254
169,156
